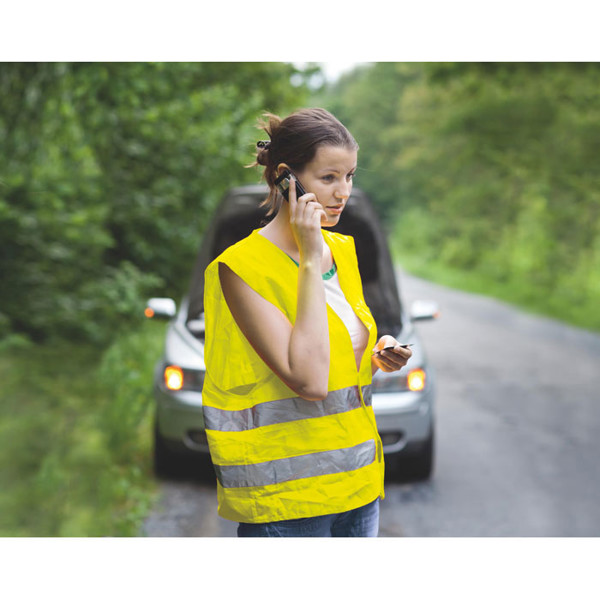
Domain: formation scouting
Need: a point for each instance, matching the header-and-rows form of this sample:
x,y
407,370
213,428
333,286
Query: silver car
x,y
403,401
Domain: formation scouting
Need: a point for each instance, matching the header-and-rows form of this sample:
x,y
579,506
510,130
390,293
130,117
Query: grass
x,y
75,436
564,305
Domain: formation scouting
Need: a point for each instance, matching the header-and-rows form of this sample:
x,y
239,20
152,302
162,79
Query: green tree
x,y
108,175
487,168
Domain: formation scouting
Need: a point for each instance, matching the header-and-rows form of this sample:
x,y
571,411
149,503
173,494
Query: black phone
x,y
393,346
283,184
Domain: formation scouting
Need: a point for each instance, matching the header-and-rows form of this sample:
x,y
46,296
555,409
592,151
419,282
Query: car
x,y
403,401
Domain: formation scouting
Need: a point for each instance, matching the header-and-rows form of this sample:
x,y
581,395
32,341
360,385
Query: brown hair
x,y
294,141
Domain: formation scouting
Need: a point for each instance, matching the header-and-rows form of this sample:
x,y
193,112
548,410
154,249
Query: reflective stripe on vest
x,y
285,410
297,467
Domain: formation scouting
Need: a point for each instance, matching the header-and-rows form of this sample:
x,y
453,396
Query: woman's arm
x,y
298,354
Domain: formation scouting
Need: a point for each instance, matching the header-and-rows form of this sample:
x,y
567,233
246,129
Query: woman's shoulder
x,y
246,246
339,239
252,253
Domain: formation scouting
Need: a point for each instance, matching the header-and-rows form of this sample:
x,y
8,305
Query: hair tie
x,y
263,144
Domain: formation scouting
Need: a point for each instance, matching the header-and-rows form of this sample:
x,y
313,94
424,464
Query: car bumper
x,y
180,421
403,419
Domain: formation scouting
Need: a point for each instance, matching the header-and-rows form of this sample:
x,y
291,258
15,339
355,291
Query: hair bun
x,y
262,152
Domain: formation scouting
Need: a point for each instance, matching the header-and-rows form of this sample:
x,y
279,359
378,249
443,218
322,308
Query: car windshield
x,y
240,213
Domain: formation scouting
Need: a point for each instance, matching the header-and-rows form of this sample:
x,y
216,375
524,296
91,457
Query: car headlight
x,y
414,381
177,378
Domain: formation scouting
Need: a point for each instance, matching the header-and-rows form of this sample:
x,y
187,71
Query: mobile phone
x,y
283,184
393,346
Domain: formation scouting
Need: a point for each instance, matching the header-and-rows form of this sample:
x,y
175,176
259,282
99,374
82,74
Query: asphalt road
x,y
518,432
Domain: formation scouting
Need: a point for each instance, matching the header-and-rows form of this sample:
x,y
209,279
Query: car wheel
x,y
415,463
166,462
421,460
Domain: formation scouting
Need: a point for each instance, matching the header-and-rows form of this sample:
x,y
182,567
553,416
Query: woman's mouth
x,y
336,210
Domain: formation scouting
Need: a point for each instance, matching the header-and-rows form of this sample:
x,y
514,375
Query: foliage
x,y
489,169
75,436
109,172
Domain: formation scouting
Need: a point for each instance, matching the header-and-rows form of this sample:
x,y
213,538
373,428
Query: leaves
x,y
110,173
486,167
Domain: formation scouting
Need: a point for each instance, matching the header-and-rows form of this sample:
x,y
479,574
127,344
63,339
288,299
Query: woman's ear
x,y
281,167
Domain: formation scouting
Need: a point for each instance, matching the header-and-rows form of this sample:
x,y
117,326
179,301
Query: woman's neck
x,y
280,233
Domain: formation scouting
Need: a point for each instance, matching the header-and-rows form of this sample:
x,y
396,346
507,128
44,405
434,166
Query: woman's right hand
x,y
305,220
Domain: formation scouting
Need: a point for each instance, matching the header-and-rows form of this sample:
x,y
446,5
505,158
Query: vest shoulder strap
x,y
256,257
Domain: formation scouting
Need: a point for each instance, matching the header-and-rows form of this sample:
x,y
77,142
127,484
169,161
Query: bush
x,y
75,437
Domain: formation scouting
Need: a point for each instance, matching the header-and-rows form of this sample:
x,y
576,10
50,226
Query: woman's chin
x,y
330,221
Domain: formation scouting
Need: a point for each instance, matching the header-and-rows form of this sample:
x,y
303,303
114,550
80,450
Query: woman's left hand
x,y
392,359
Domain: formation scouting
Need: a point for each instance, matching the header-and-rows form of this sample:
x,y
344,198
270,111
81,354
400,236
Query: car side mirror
x,y
160,308
424,310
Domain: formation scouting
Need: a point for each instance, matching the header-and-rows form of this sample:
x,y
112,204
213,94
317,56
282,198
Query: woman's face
x,y
329,177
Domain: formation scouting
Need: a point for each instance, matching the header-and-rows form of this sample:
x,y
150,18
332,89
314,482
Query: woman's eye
x,y
328,178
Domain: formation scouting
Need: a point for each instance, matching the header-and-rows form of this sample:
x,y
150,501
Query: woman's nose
x,y
343,190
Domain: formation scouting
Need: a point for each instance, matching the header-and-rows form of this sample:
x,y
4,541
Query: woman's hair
x,y
294,141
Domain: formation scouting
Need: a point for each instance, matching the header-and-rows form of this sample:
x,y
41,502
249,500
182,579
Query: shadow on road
x,y
191,470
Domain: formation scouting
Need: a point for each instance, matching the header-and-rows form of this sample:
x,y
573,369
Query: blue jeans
x,y
359,522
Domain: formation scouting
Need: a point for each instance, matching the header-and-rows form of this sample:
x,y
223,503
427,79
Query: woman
x,y
291,349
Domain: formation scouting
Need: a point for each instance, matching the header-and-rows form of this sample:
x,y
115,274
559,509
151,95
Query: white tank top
x,y
337,301
334,296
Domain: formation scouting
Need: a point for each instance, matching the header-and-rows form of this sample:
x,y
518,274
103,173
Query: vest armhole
x,y
251,278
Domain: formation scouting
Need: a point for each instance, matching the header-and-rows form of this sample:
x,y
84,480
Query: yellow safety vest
x,y
276,455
